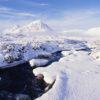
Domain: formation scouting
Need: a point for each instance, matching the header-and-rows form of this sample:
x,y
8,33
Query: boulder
x,y
22,97
38,62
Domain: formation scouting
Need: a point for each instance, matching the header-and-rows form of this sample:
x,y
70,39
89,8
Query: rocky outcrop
x,y
19,83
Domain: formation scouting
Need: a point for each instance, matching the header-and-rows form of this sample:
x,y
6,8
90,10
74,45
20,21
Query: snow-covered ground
x,y
77,73
77,78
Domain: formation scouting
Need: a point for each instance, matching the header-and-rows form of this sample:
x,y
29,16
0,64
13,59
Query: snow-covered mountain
x,y
35,26
14,29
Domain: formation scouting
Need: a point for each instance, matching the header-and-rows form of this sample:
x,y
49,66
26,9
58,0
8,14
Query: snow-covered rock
x,y
96,55
1,59
38,62
65,53
18,51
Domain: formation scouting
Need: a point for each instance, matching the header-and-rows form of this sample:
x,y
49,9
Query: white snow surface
x,y
77,78
38,62
77,73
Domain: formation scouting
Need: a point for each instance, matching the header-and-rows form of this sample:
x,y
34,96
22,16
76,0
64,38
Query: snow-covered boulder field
x,y
38,62
15,52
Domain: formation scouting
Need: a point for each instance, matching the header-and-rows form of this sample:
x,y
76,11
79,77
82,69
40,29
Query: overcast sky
x,y
61,14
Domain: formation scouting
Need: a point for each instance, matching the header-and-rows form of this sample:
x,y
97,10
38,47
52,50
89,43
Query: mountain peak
x,y
38,26
35,26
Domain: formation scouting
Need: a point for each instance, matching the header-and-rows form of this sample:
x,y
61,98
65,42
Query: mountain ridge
x,y
34,26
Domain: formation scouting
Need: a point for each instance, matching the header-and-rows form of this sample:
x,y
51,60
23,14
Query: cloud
x,y
4,0
15,13
39,4
25,14
5,9
82,19
43,4
65,20
93,31
10,17
32,3
28,2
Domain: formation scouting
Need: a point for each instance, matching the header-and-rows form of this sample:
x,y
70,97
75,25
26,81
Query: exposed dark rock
x,y
22,97
5,95
19,83
39,85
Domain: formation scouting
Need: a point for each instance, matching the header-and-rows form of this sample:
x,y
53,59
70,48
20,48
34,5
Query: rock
x,y
39,85
43,55
65,53
19,83
49,86
5,80
22,77
38,62
5,95
22,97
40,77
96,54
8,58
17,79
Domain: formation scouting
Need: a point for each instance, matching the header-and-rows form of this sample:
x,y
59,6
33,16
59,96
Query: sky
x,y
59,14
